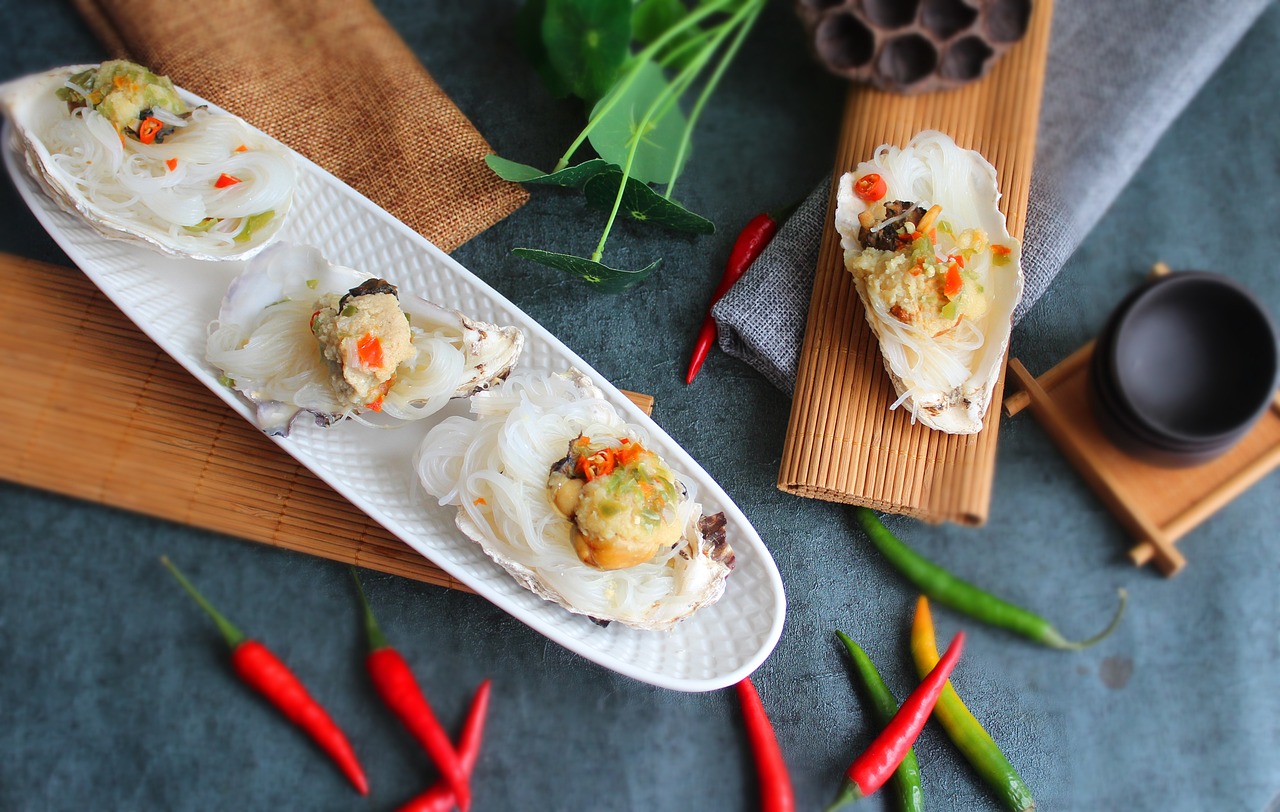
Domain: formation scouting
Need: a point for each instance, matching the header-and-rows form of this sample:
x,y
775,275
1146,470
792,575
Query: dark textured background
x,y
115,693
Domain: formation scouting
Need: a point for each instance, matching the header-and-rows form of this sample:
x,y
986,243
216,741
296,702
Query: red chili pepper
x,y
265,673
224,180
440,798
776,794
750,242
148,129
870,187
395,683
869,771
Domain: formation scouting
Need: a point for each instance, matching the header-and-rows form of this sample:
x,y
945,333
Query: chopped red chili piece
x,y
148,129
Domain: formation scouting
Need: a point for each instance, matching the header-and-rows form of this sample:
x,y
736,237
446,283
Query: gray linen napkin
x,y
1117,76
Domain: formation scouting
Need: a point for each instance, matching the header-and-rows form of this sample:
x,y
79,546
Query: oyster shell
x,y
494,469
943,347
264,346
128,190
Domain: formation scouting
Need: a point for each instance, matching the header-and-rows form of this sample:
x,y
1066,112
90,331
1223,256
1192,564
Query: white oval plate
x,y
173,301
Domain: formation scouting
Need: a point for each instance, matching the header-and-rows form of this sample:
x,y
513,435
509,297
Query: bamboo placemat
x,y
97,411
843,444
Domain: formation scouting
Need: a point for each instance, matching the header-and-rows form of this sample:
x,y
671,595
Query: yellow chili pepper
x,y
964,730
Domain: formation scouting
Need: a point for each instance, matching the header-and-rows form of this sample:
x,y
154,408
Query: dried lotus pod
x,y
913,46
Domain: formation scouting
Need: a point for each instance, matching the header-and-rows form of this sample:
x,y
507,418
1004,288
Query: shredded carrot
x,y
954,282
242,148
629,452
224,180
172,163
369,349
958,259
1001,250
479,501
376,405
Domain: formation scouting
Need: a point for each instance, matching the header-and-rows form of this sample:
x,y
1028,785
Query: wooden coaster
x,y
104,414
1157,506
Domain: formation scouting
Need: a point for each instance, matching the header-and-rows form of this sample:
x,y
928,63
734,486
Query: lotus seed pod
x,y
913,46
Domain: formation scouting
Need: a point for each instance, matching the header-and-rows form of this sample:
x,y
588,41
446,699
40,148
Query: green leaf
x,y
529,38
651,18
609,280
660,143
586,43
640,202
574,176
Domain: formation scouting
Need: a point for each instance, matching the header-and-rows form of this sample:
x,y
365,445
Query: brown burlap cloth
x,y
313,74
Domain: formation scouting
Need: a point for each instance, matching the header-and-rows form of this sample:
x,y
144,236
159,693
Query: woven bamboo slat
x,y
103,414
843,443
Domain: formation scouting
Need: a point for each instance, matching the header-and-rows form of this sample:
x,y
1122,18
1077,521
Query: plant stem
x,y
629,78
658,108
745,28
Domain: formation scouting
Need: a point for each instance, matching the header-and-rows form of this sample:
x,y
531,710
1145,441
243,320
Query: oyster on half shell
x,y
143,161
298,334
496,468
937,271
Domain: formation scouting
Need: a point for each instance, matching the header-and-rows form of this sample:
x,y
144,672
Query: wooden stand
x,y
1156,505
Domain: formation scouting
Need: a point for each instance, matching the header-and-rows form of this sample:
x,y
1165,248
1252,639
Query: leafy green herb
x,y
311,283
575,176
635,124
227,382
586,42
609,280
619,128
349,311
640,202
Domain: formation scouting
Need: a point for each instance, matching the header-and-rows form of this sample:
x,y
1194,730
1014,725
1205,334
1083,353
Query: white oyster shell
x,y
278,365
494,469
931,169
33,110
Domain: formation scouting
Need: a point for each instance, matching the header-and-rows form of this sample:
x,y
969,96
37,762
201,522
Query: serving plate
x,y
173,300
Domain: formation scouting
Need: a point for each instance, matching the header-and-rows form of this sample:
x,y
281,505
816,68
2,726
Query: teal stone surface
x,y
116,692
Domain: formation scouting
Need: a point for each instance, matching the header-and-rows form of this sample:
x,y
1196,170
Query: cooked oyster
x,y
607,530
124,149
298,334
937,271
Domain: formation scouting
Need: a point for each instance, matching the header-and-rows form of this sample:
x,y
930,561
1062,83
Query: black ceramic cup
x,y
1184,367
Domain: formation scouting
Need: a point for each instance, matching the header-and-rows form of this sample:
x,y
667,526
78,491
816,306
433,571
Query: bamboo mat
x,y
843,444
97,411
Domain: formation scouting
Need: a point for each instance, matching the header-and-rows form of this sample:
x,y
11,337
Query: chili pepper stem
x,y
233,636
849,793
1054,639
377,640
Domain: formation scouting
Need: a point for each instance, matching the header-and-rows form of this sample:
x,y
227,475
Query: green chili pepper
x,y
964,597
906,778
964,730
